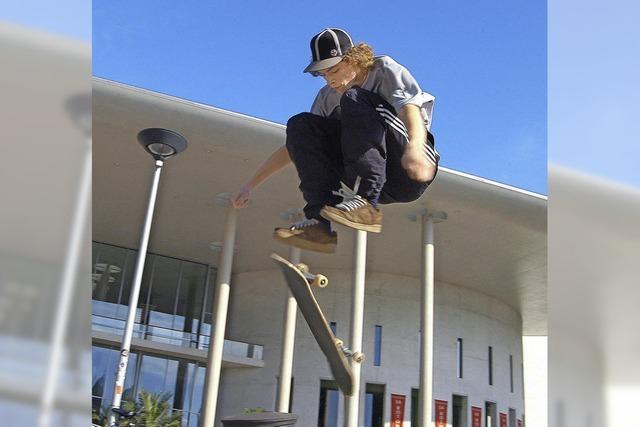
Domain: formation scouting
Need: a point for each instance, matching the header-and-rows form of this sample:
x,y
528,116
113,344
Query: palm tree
x,y
153,410
100,417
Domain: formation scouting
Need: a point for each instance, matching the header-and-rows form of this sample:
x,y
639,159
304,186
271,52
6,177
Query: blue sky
x,y
69,18
484,61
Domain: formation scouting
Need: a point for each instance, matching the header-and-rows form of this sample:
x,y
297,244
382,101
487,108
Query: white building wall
x,y
392,301
535,380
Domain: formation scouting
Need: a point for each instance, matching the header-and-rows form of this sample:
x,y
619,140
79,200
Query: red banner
x,y
441,413
519,423
476,417
503,420
397,410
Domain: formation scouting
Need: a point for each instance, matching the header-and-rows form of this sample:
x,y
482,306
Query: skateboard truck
x,y
357,356
318,280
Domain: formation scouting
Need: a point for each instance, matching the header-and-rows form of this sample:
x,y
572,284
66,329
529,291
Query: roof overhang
x,y
494,240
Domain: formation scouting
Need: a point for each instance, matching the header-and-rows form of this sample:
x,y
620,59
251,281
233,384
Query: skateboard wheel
x,y
338,342
320,281
358,357
303,267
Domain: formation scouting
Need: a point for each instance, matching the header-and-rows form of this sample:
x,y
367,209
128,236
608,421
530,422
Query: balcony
x,y
173,316
170,342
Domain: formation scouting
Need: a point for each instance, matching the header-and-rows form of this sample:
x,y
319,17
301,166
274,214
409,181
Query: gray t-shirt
x,y
391,81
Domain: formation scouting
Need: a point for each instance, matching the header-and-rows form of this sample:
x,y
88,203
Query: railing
x,y
175,337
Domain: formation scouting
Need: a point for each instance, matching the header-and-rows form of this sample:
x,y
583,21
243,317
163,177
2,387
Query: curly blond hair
x,y
360,55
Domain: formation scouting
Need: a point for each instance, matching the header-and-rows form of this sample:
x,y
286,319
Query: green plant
x,y
100,417
153,410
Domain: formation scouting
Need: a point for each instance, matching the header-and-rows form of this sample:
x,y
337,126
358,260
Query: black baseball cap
x,y
327,48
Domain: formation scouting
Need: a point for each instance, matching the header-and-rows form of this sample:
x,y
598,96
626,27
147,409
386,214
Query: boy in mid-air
x,y
366,142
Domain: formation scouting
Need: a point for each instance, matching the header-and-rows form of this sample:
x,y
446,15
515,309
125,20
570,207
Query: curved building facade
x,y
490,280
477,348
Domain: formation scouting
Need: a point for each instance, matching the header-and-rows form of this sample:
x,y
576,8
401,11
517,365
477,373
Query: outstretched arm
x,y
279,159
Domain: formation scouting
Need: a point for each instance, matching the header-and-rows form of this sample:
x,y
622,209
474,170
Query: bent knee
x,y
422,173
298,121
297,127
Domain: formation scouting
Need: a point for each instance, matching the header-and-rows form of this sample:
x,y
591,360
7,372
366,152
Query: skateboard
x,y
299,281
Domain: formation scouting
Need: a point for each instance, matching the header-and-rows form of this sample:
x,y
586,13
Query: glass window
x,y
511,372
112,274
490,358
190,301
170,305
184,385
512,417
415,402
182,379
105,361
374,405
110,261
207,320
329,400
158,375
459,411
99,373
164,286
491,414
198,389
459,358
377,355
123,307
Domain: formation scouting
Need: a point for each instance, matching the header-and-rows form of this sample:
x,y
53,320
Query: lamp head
x,y
162,143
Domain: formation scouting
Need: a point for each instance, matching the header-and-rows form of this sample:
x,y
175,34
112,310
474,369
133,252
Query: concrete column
x,y
288,339
223,279
357,322
288,329
427,282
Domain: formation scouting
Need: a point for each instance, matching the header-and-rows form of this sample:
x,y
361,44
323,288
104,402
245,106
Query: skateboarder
x,y
366,142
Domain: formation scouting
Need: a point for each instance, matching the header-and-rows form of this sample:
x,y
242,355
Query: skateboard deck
x,y
298,283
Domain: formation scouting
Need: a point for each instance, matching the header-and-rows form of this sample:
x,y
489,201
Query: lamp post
x,y
78,107
161,144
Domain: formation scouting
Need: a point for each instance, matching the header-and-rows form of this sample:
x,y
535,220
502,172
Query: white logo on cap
x,y
333,52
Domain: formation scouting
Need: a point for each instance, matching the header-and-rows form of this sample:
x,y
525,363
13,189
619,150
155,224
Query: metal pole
x,y
68,282
426,323
357,320
288,338
216,345
135,293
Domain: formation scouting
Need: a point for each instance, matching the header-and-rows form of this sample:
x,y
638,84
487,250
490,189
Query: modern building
x,y
490,271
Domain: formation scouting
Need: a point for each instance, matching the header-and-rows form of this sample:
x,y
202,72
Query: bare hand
x,y
240,199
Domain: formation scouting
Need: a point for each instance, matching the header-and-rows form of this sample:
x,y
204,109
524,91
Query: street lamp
x,y
161,144
78,109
